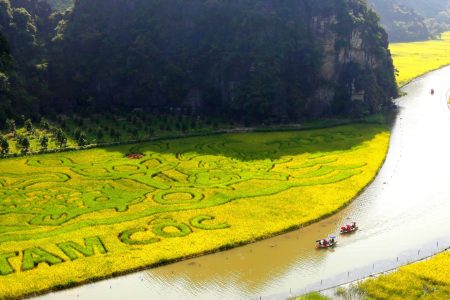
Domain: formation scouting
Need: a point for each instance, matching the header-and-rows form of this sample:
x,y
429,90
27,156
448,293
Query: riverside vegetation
x,y
429,279
68,218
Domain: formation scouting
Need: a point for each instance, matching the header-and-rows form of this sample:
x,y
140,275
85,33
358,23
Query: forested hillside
x,y
247,59
23,64
400,21
416,20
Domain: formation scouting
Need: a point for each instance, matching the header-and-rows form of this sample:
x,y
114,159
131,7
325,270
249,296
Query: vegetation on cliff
x,y
249,60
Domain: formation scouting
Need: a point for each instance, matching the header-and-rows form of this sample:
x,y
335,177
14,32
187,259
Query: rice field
x,y
70,218
415,59
424,280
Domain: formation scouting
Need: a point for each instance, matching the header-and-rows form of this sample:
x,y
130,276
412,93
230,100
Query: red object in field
x,y
135,156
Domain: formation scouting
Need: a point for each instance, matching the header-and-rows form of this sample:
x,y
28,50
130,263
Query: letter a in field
x,y
72,249
34,256
5,266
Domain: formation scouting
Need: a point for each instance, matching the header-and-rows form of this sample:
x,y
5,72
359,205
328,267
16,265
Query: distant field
x,y
69,218
418,58
425,280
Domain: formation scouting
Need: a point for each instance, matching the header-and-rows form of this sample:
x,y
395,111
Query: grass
x,y
312,296
69,218
415,59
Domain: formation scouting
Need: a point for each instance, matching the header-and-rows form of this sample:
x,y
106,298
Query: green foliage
x,y
24,31
29,126
4,145
402,23
255,59
44,124
313,296
82,140
44,142
11,125
413,20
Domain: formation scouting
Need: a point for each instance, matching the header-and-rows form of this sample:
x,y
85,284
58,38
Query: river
x,y
407,206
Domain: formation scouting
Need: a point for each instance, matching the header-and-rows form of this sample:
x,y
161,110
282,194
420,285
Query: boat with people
x,y
326,243
349,228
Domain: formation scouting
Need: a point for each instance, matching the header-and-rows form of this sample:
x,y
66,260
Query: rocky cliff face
x,y
250,59
355,61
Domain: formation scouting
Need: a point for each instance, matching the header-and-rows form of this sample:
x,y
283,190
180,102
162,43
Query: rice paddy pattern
x,y
67,218
166,184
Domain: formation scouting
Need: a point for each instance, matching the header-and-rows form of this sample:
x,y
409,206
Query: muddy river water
x,y
406,207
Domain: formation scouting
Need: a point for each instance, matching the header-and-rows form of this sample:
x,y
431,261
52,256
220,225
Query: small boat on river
x,y
326,243
349,228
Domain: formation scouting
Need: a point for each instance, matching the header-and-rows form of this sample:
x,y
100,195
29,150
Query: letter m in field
x,y
90,247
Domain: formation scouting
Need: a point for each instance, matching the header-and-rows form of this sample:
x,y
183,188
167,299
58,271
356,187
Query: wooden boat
x,y
330,243
344,229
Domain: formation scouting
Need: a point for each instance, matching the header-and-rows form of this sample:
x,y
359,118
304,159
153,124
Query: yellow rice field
x,y
70,218
424,280
415,59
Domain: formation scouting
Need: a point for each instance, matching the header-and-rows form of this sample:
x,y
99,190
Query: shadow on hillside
x,y
260,145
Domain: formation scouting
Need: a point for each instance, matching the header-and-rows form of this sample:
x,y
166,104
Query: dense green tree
x,y
82,139
62,141
24,143
244,59
29,125
44,142
11,125
26,26
100,134
44,124
4,145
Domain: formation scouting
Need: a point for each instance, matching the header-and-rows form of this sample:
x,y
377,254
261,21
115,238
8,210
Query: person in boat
x,y
349,227
343,229
332,240
325,242
353,225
